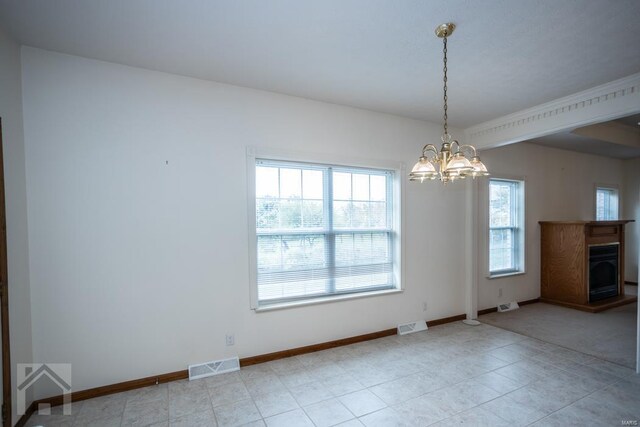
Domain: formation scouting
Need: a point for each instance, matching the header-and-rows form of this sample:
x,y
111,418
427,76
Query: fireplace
x,y
603,271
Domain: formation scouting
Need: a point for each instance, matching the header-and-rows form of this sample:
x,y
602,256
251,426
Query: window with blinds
x,y
606,204
506,226
322,230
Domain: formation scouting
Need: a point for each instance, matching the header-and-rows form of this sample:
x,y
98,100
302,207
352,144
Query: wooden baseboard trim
x,y
77,396
444,320
520,303
22,421
254,360
247,361
628,282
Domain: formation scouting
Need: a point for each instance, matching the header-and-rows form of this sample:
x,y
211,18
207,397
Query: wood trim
x,y
595,307
494,309
31,409
4,301
444,320
247,361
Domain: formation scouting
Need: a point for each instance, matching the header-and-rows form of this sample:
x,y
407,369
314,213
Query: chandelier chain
x,y
445,83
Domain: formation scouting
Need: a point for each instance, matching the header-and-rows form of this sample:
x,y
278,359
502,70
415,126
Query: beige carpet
x,y
609,335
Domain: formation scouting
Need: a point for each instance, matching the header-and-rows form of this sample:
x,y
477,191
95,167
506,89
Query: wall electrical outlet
x,y
424,306
230,339
500,293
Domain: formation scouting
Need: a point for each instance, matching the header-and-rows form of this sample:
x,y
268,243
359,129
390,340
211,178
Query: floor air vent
x,y
408,328
213,368
508,306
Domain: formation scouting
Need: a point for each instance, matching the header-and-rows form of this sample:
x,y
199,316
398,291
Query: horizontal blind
x,y
322,230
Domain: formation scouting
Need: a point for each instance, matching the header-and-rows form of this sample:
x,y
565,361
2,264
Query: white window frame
x,y
519,235
398,183
613,187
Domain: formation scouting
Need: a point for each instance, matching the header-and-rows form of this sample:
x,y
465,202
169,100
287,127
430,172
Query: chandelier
x,y
450,163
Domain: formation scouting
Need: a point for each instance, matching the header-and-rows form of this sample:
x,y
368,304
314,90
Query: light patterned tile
x,y
387,417
306,394
517,414
237,414
295,418
328,413
362,402
103,408
275,403
228,393
185,403
144,413
343,384
196,419
477,416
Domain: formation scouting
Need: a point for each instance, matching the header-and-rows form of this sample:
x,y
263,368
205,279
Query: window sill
x,y
509,274
323,300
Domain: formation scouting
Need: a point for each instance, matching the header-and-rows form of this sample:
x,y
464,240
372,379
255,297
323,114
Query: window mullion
x,y
330,237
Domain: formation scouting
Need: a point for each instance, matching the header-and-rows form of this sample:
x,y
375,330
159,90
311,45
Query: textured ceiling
x,y
506,55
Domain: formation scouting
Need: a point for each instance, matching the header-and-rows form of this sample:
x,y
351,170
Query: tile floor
x,y
451,374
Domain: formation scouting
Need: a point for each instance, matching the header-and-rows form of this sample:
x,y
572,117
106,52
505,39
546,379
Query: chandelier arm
x,y
429,147
469,147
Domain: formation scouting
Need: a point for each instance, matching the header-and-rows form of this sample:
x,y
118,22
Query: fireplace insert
x,y
603,271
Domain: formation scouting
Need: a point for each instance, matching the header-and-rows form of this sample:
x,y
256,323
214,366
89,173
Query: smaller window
x,y
506,226
606,204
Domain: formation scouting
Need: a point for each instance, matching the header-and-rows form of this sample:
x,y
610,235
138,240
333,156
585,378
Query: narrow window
x,y
506,226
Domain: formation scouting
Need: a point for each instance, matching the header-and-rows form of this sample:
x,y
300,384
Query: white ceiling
x,y
382,55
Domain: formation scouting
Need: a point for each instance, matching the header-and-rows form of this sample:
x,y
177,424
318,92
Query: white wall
x,y
559,186
16,207
140,268
631,210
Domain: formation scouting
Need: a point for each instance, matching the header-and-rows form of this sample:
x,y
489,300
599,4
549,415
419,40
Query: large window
x,y
322,230
606,204
506,226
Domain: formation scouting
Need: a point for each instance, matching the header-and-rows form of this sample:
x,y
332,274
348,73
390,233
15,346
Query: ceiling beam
x,y
609,101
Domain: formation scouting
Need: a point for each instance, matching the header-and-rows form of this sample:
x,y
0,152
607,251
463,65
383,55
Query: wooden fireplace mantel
x,y
565,262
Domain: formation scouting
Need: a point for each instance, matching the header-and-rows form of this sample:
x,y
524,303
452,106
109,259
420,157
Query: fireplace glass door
x,y
603,271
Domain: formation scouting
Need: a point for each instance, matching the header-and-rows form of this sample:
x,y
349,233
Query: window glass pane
x,y
341,186
378,188
267,213
360,186
290,214
378,214
290,183
500,194
312,214
266,182
360,215
502,248
341,214
312,184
